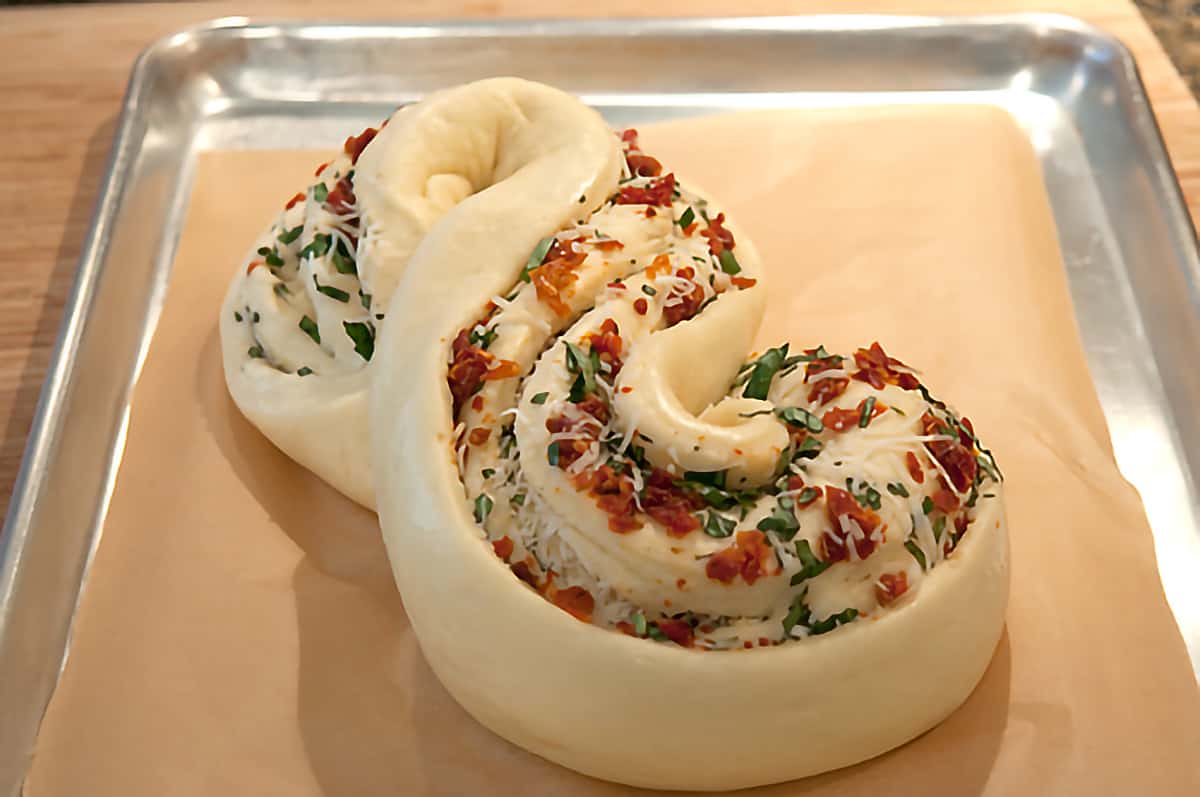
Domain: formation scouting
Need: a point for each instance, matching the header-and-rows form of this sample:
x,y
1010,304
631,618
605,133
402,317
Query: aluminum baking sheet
x,y
1126,237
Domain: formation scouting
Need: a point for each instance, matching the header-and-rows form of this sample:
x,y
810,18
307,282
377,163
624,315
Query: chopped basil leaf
x,y
320,193
807,495
255,352
552,453
343,263
310,328
237,316
864,417
317,247
687,218
305,371
287,236
536,256
898,411
764,371
365,298
719,526
869,497
330,291
584,365
281,290
811,565
254,318
927,505
648,290
263,251
916,552
483,507
363,336
782,520
798,614
729,263
809,448
517,500
653,631
484,340
487,473
896,488
540,398
833,621
801,418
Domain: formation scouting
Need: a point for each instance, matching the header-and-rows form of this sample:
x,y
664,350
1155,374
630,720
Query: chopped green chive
x,y
833,621
517,500
330,291
864,417
809,448
281,290
807,495
552,453
896,488
487,473
649,291
939,526
343,264
320,193
287,236
719,526
729,263
927,505
310,328
363,337
365,298
536,256
798,614
317,247
255,352
305,371
237,316
483,507
540,398
899,411
585,365
688,216
782,520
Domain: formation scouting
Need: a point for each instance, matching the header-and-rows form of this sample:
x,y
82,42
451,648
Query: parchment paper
x,y
240,633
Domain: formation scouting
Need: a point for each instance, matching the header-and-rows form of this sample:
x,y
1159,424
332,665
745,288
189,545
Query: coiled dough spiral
x,y
625,542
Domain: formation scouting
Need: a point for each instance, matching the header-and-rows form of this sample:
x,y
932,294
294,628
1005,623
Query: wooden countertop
x,y
64,73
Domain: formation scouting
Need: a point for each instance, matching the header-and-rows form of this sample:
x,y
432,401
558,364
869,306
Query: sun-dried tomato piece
x,y
914,467
356,144
575,601
842,505
657,193
479,435
678,631
839,420
954,457
341,199
750,556
671,506
643,165
890,587
503,547
467,369
719,238
877,369
291,203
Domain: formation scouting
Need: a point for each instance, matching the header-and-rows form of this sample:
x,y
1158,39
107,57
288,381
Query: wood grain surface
x,y
64,71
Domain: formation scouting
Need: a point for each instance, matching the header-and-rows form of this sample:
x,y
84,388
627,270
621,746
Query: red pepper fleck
x,y
479,435
626,389
608,245
890,587
356,144
554,278
839,504
640,306
607,344
743,283
688,305
477,403
658,193
291,203
321,168
914,468
751,556
503,547
575,601
680,583
748,645
678,631
943,497
626,628
617,285
877,369
253,265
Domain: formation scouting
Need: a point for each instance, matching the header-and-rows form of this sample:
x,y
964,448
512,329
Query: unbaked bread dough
x,y
629,544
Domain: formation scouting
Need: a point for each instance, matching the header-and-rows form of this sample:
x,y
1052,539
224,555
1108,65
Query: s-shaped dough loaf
x,y
625,542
